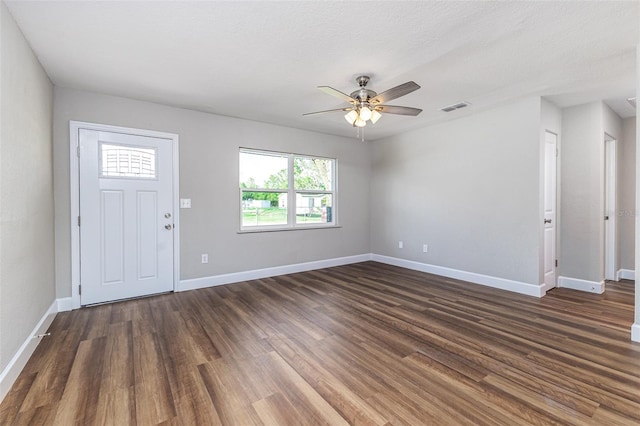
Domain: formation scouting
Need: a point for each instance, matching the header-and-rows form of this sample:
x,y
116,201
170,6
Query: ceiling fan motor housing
x,y
363,94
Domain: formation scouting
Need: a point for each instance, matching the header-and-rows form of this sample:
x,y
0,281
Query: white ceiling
x,y
263,60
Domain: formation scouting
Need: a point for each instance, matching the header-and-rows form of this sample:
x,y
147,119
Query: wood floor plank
x,y
226,392
275,410
52,370
79,399
366,343
154,401
350,406
116,406
40,416
118,371
14,400
311,407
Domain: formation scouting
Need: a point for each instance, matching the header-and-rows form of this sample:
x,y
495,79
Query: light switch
x,y
185,203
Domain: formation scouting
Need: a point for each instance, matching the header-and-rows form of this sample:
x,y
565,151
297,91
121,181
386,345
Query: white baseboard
x,y
536,290
19,360
256,274
65,304
625,274
501,283
635,332
582,285
545,288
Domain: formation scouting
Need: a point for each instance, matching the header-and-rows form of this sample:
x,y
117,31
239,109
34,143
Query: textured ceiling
x,y
263,60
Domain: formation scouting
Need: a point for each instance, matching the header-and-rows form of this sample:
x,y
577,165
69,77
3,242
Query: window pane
x,y
313,173
127,161
264,208
265,171
314,208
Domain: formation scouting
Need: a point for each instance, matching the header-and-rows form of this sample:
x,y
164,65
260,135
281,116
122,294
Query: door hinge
x,y
78,220
556,263
78,151
80,290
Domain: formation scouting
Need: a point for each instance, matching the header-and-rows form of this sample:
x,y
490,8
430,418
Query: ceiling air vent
x,y
632,101
455,106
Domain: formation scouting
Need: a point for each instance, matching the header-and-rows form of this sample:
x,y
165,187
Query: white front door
x,y
550,160
126,215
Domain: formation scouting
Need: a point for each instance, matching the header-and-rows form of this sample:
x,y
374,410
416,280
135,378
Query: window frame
x,y
291,192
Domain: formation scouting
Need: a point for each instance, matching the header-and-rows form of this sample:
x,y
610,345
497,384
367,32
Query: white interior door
x,y
126,216
550,165
610,210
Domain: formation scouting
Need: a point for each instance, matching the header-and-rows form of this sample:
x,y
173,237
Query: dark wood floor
x,y
362,344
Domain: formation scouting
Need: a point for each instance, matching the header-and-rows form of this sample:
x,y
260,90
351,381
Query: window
x,y
286,191
127,161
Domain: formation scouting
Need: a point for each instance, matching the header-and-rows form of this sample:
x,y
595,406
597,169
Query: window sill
x,y
297,228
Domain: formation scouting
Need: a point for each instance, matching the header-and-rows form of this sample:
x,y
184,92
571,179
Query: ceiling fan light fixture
x,y
365,113
360,123
351,117
375,116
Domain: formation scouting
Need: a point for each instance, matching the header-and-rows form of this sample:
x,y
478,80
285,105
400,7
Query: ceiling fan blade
x,y
329,110
338,94
395,92
392,109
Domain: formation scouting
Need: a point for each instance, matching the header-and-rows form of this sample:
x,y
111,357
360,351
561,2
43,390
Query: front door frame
x,y
74,179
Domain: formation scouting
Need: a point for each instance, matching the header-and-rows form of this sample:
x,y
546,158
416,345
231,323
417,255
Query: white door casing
x,y
550,198
610,252
127,242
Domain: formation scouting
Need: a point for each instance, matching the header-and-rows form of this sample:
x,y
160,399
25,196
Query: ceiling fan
x,y
367,105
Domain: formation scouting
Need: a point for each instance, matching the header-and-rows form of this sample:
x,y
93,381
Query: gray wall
x,y
209,176
627,194
468,188
26,190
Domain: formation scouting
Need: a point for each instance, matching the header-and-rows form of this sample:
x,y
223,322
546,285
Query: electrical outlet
x,y
400,245
205,258
425,248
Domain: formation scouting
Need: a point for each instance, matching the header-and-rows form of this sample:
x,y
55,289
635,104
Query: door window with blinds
x,y
126,161
280,191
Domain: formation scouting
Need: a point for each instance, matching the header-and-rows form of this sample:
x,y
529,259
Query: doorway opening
x,y
550,209
610,210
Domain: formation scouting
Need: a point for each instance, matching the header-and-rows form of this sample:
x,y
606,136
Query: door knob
x,y
547,221
168,226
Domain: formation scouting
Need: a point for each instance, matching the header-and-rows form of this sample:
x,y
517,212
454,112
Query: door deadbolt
x,y
167,215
